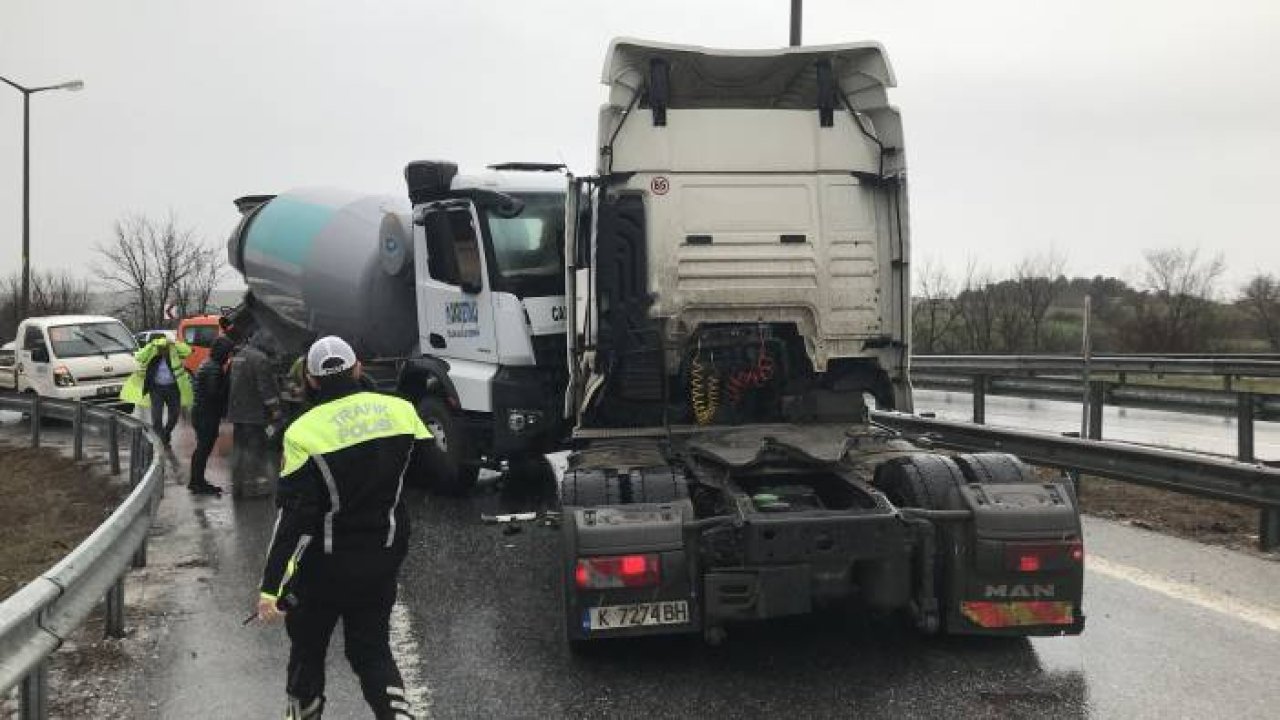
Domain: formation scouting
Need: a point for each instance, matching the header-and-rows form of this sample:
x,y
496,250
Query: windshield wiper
x,y
120,347
81,334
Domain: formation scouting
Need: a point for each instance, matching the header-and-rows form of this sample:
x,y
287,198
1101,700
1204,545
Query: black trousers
x,y
206,438
359,589
165,396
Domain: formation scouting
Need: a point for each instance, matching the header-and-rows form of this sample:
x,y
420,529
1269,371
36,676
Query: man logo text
x,y
1019,591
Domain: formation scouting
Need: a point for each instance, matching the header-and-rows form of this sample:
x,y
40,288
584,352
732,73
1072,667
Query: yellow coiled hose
x,y
704,391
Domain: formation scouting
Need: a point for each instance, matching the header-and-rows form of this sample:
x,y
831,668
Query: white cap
x,y
323,354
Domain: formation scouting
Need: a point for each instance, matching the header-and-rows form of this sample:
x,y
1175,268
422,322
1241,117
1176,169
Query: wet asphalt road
x,y
1165,639
1176,629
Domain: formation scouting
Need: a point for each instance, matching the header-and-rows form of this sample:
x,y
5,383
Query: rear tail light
x,y
1043,557
617,571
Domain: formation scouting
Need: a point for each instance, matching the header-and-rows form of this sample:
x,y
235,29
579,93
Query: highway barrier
x,y
36,619
1064,378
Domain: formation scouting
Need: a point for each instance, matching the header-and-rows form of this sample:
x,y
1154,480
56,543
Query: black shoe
x,y
205,489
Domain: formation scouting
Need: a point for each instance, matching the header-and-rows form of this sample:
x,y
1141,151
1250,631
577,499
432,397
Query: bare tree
x,y
194,293
1175,312
933,309
976,308
51,294
1261,301
1040,282
157,264
1012,322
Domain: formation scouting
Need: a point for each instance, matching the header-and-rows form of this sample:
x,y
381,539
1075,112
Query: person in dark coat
x,y
253,406
210,388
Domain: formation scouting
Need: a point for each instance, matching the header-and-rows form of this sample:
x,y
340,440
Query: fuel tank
x,y
325,261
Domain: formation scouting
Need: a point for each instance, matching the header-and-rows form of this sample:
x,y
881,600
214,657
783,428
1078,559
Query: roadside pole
x,y
1086,353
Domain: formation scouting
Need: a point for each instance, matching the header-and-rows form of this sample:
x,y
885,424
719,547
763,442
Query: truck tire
x,y
995,468
593,488
925,481
928,482
451,467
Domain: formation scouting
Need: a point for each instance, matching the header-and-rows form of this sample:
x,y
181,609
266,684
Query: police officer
x,y
342,532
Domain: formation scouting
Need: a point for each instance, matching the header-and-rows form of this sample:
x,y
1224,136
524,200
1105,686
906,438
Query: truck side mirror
x,y
40,354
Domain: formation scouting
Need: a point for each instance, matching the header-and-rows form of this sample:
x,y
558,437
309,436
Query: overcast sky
x,y
1097,127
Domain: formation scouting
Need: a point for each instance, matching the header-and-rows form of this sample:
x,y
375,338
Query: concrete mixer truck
x,y
453,297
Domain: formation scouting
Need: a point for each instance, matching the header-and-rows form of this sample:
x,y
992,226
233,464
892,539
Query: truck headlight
x,y
62,377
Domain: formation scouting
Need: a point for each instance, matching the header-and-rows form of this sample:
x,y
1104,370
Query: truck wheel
x,y
592,488
997,468
925,481
450,468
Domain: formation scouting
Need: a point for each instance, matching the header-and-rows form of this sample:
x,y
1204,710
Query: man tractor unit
x,y
455,300
743,286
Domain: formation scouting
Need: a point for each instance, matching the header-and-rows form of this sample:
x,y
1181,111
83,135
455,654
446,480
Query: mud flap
x,y
1020,568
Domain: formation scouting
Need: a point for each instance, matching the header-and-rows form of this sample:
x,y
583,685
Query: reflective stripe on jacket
x,y
340,483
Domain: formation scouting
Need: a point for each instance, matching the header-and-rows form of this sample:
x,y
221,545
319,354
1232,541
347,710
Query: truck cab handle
x,y
436,340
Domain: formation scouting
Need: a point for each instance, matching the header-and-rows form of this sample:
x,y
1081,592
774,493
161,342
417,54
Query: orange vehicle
x,y
198,331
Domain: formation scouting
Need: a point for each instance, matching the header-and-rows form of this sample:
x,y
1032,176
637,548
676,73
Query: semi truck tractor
x,y
453,297
740,260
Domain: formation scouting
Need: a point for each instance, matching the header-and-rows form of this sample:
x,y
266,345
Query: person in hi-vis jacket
x,y
342,532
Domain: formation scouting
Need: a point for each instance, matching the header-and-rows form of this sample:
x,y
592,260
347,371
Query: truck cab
x,y
70,357
488,253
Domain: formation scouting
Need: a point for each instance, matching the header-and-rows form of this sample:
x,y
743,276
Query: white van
x,y
69,357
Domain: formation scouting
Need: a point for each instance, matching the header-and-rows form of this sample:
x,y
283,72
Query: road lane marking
x,y
1198,596
404,646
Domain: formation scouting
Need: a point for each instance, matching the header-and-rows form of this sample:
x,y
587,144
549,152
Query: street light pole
x,y
24,303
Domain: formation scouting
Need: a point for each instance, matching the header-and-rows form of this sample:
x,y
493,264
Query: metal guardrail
x,y
36,619
1228,366
1190,473
1176,399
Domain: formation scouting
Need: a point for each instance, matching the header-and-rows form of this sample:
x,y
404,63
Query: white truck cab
x,y
69,357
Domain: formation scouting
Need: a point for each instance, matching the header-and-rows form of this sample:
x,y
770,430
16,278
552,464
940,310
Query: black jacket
x,y
340,484
209,388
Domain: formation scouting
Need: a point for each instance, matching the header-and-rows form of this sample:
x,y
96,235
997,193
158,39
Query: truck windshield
x,y
527,249
85,339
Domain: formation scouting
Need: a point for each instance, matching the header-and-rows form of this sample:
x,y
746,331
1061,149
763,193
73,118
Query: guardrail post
x,y
113,444
1244,426
137,465
140,557
1097,400
77,432
1269,530
35,420
979,399
115,610
33,695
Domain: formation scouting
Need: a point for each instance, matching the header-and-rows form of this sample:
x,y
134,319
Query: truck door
x,y
33,360
455,309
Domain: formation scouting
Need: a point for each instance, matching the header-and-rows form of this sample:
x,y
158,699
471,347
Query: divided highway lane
x,y
1176,629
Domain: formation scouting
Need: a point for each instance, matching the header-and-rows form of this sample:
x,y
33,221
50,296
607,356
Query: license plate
x,y
109,390
617,617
